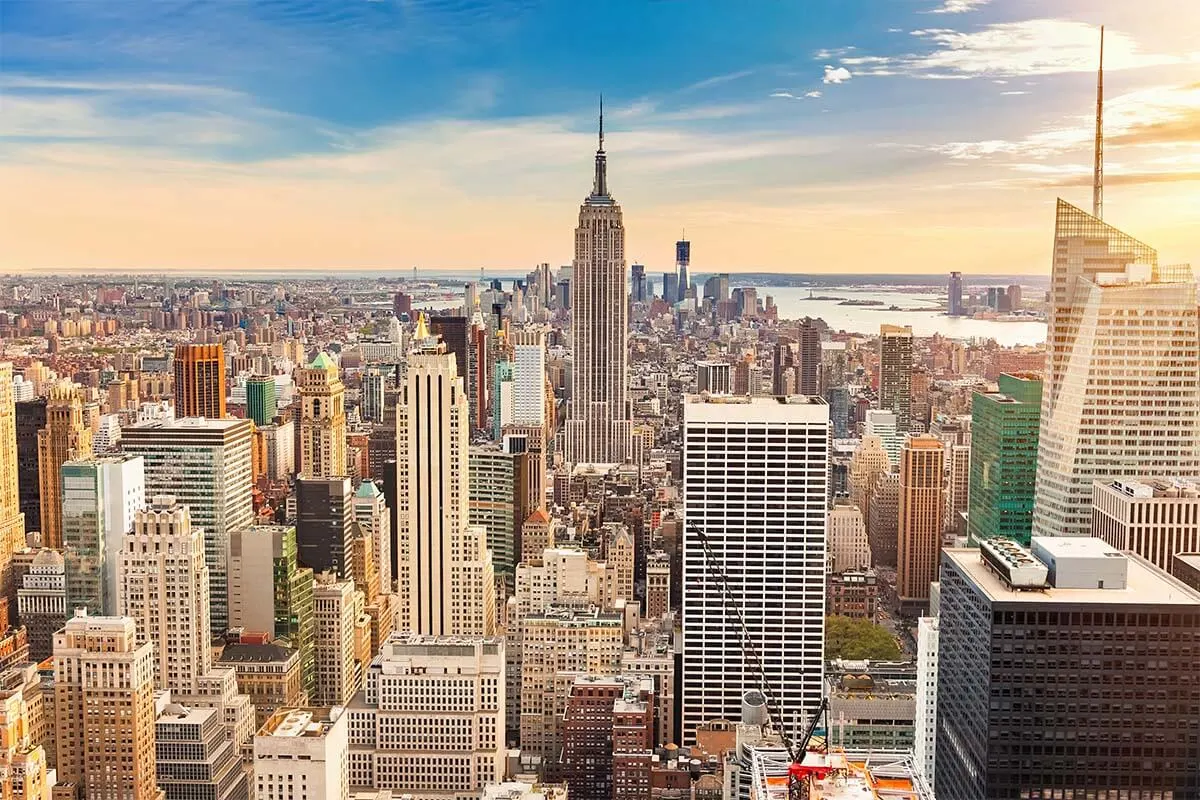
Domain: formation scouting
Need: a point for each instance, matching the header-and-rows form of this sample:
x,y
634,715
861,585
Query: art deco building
x,y
599,429
200,380
104,709
322,420
65,437
444,569
12,521
1122,386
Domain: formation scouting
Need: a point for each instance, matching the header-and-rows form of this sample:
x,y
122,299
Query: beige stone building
x,y
922,508
322,420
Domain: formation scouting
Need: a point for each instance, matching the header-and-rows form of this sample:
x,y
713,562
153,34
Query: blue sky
x,y
869,135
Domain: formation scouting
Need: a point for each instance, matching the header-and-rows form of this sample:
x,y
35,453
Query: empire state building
x,y
599,428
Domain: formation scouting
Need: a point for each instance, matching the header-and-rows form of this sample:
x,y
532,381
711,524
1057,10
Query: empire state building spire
x,y
599,195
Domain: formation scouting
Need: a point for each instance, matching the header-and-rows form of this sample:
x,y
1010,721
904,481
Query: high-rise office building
x,y
954,295
269,592
479,368
670,291
261,404
324,524
164,590
895,372
714,377
205,465
808,359
599,429
683,259
925,719
497,502
444,570
1122,383
200,380
848,545
756,473
637,283
921,516
42,602
867,463
449,692
12,521
958,458
885,425
1004,447
529,376
338,615
303,754
1155,518
194,758
100,499
65,437
556,643
31,418
883,519
372,393
322,420
104,709
372,514
1029,704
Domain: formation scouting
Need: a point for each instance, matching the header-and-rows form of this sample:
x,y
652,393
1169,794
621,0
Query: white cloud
x,y
1014,49
814,94
836,74
788,95
1013,93
957,6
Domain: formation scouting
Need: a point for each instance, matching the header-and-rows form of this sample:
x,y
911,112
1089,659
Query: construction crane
x,y
806,765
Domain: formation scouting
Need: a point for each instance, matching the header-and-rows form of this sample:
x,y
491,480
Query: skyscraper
x,y
372,514
1122,384
42,602
269,592
922,511
324,523
494,494
954,295
683,258
205,465
529,375
194,758
31,418
260,399
895,372
599,429
767,533
637,282
64,437
101,497
1004,447
808,359
444,570
322,420
1027,695
104,709
12,521
338,615
371,406
200,380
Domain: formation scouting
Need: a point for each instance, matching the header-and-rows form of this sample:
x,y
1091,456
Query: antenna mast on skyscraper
x,y
1098,171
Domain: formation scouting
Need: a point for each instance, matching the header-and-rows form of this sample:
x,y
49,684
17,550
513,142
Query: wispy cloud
x,y
957,6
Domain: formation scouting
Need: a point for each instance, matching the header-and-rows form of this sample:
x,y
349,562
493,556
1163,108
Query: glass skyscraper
x,y
1004,445
1122,386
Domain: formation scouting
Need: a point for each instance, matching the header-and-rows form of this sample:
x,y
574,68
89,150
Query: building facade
x,y
322,420
1122,384
64,438
755,487
1156,518
1004,448
200,380
922,509
302,754
895,372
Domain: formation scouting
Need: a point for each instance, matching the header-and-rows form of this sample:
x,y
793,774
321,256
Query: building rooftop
x,y
299,722
239,653
1154,488
1145,585
852,775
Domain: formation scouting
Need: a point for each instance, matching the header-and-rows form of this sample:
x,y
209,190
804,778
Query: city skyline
x,y
161,140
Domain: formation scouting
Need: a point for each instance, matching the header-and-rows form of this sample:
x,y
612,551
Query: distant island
x,y
860,302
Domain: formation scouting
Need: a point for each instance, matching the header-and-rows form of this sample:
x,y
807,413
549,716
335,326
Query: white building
x,y
756,472
302,754
337,610
925,722
1121,391
373,516
444,569
205,465
1157,519
848,545
100,498
529,376
884,424
430,720
598,430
